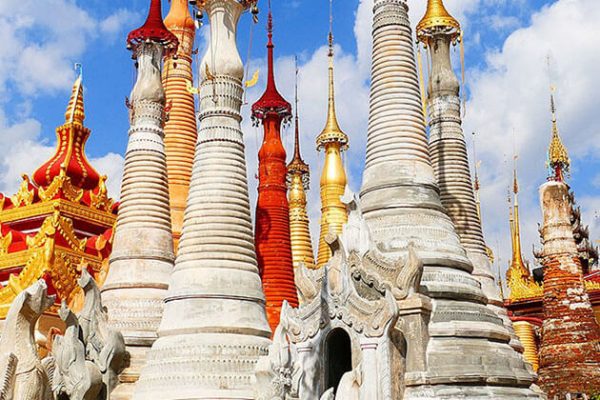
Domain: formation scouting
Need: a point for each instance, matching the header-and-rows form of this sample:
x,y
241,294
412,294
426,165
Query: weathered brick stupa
x,y
438,30
180,128
570,347
467,351
272,231
214,326
333,177
298,184
142,256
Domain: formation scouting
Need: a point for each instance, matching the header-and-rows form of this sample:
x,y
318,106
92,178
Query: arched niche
x,y
338,357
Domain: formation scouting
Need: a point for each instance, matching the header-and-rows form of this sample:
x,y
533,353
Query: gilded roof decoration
x,y
437,19
558,156
25,194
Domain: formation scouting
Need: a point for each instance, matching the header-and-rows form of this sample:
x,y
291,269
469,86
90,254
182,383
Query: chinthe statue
x,y
24,376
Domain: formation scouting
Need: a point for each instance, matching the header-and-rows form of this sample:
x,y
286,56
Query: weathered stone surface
x,y
570,347
24,377
214,327
467,349
142,256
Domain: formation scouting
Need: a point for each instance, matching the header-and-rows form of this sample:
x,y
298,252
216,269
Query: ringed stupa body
x,y
214,326
142,256
272,230
438,30
180,128
468,349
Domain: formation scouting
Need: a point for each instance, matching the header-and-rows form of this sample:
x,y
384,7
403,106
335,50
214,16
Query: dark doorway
x,y
339,357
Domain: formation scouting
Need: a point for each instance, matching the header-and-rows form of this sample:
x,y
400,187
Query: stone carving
x,y
349,387
8,367
74,377
104,346
278,374
307,282
328,395
28,381
148,86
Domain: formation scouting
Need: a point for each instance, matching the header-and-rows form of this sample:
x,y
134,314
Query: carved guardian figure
x,y
30,381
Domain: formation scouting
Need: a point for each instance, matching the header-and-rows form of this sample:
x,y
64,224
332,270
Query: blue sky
x,y
506,42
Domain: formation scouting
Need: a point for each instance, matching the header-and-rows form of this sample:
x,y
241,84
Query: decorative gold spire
x,y
75,112
436,19
518,276
558,157
332,131
333,178
298,183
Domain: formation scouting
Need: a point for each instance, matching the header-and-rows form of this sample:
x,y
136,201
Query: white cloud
x,y
40,43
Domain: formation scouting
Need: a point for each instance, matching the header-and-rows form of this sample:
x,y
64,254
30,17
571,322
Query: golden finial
x,y
558,157
75,112
437,20
517,264
332,131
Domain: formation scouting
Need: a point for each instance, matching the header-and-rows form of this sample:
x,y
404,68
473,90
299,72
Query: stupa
x,y
333,177
468,349
272,230
180,128
142,256
214,327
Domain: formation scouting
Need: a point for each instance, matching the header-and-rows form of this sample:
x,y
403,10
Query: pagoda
x,y
333,178
180,127
525,300
298,185
569,356
466,348
60,221
272,230
438,30
142,256
214,326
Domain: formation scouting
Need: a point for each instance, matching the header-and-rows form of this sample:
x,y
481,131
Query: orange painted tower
x,y
272,233
180,128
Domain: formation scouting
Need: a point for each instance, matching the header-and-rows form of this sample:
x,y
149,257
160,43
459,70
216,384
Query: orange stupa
x,y
180,128
273,243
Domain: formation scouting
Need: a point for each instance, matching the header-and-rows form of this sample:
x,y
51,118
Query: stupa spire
x,y
272,231
558,157
438,30
69,159
401,204
517,265
214,327
142,256
333,178
180,129
298,184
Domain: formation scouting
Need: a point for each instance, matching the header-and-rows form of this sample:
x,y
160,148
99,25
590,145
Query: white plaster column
x,y
214,327
369,366
142,256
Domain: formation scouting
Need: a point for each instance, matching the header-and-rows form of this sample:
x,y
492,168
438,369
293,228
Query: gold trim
x,y
24,195
5,242
101,200
71,210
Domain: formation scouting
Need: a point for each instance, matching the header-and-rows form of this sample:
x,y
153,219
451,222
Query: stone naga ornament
x,y
24,377
104,346
74,377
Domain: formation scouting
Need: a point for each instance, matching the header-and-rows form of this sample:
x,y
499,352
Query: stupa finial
x,y
332,131
153,30
437,19
558,156
75,113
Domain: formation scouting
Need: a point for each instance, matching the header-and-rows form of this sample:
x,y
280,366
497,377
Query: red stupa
x,y
273,244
